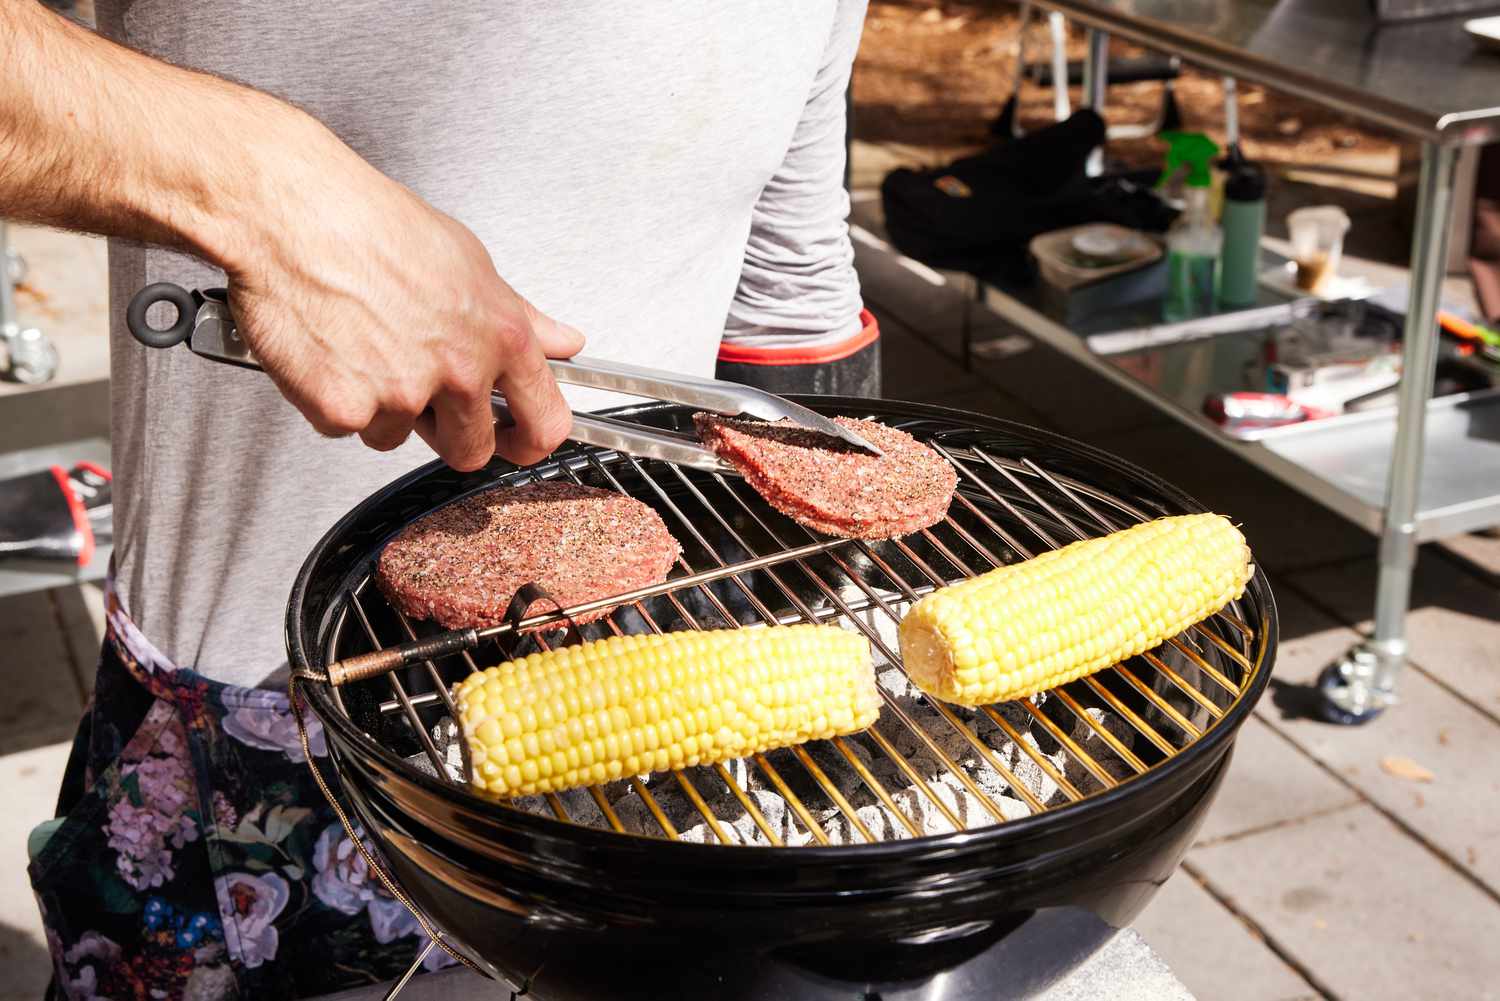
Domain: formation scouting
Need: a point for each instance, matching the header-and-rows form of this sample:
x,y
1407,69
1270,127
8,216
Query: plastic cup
x,y
1317,234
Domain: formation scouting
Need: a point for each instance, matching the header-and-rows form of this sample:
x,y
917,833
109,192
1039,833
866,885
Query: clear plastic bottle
x,y
1195,241
1193,247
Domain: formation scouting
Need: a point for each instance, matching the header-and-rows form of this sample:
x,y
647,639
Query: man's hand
x,y
376,314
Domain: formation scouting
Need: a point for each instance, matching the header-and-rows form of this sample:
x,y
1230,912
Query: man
x,y
654,176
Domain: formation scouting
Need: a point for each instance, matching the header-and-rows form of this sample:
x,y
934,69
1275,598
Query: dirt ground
x,y
934,73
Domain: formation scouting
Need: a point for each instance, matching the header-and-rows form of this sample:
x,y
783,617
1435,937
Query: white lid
x,y
1329,218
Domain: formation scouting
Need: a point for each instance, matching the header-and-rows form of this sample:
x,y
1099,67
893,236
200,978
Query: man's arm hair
x,y
97,137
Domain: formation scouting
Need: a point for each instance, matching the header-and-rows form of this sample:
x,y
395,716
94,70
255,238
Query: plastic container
x,y
1317,235
1080,255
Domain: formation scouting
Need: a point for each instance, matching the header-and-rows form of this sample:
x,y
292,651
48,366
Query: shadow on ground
x,y
26,965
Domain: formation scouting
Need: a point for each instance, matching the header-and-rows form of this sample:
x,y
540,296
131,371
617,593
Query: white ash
x,y
926,757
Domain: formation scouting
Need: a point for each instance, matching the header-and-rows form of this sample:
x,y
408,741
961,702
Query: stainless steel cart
x,y
1433,467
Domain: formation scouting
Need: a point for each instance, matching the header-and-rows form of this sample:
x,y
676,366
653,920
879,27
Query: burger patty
x,y
831,487
462,564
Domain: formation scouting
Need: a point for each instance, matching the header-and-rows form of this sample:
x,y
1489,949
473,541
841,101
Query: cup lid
x,y
1322,216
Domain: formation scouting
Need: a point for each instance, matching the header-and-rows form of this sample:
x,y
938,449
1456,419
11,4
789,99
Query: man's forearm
x,y
96,137
318,246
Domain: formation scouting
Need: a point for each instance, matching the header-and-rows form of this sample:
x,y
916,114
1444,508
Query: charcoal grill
x,y
944,853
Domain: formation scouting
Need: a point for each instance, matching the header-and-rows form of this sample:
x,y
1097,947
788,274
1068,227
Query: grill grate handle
x,y
378,662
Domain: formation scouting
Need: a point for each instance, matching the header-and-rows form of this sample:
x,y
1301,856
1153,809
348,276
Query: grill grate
x,y
925,767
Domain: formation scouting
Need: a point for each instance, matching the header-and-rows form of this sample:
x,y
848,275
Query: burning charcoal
x,y
1098,748
581,808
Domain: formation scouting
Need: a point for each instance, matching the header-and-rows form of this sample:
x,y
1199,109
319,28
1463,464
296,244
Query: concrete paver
x,y
30,779
1481,550
1310,640
1459,810
1270,782
42,696
1212,951
1453,625
1369,911
65,294
80,610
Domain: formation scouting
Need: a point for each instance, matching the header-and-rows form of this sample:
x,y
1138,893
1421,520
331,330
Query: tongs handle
x,y
187,304
204,317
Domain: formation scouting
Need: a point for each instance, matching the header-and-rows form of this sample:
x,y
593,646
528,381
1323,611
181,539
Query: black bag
x,y
978,214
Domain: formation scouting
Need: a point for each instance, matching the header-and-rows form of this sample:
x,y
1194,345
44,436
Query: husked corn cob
x,y
1028,627
627,705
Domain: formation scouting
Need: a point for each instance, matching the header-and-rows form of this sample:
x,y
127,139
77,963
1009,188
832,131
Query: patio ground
x,y
1319,872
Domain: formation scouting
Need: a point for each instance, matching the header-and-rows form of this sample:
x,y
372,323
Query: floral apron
x,y
194,859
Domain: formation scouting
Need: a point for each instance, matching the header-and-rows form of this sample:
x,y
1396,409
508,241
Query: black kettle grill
x,y
946,853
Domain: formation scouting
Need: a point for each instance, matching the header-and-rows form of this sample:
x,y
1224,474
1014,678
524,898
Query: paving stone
x,y
1212,951
80,608
1481,550
1458,811
1370,911
1125,969
1269,782
43,699
1286,530
30,780
1310,641
66,295
1453,625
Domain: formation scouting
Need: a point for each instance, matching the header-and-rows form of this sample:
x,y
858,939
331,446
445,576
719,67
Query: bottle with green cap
x,y
1195,240
1244,223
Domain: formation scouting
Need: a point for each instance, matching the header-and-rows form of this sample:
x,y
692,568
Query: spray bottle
x,y
1195,240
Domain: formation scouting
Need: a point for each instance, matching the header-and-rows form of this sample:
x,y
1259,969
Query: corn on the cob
x,y
627,705
1028,627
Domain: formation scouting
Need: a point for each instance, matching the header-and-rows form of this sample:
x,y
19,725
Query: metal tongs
x,y
205,323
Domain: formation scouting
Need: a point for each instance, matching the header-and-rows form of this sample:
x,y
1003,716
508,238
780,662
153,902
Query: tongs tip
x,y
856,439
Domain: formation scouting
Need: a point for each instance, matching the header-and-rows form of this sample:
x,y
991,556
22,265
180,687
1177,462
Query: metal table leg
x,y
1061,108
1095,89
1362,683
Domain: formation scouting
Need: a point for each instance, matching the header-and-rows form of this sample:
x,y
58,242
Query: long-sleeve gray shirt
x,y
657,175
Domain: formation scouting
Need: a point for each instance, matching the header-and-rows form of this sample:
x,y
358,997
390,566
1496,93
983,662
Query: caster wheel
x,y
1328,709
33,357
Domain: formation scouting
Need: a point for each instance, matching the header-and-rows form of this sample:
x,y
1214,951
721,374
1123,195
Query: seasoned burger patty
x,y
462,564
831,487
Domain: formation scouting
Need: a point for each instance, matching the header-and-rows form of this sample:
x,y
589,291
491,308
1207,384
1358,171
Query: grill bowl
x,y
567,911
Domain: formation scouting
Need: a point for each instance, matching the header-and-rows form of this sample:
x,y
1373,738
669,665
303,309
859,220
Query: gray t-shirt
x,y
654,174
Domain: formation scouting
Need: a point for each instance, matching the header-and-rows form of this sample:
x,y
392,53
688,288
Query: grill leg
x,y
411,971
1360,685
